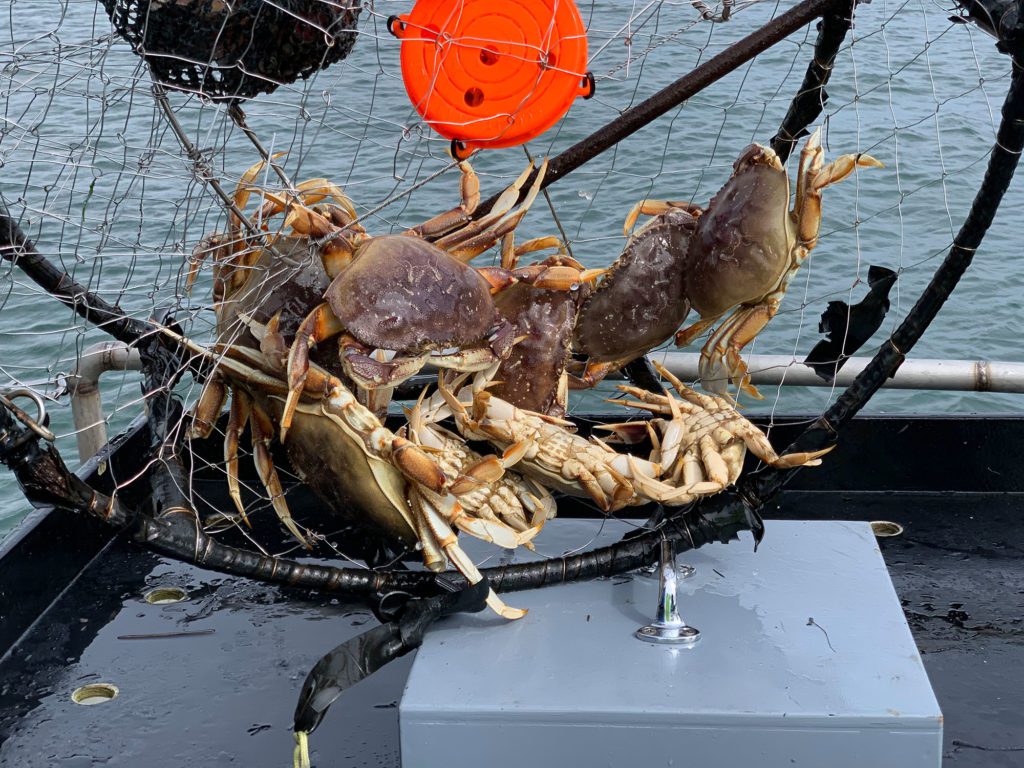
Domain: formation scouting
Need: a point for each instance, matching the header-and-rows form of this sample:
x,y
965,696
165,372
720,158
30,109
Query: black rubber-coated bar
x,y
810,100
20,251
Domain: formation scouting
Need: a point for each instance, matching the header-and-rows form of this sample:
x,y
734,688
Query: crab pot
x,y
805,659
237,50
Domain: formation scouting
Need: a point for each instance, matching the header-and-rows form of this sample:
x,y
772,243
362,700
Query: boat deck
x,y
221,686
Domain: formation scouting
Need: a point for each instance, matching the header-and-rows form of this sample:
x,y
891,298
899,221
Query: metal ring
x,y
37,424
589,80
459,150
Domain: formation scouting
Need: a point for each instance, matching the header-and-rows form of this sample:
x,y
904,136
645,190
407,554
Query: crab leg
x,y
725,344
469,194
436,524
480,482
308,193
319,325
510,252
371,373
262,432
685,337
208,407
812,178
217,247
244,188
656,208
433,558
506,202
560,277
685,450
593,374
740,426
238,417
475,238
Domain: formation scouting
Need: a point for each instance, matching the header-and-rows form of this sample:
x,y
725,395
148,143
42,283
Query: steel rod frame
x,y
760,486
175,529
810,100
687,86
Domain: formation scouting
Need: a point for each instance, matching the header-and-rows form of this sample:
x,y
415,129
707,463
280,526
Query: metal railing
x,y
83,384
948,375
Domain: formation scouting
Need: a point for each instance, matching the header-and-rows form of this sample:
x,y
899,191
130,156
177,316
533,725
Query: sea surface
x,y
104,187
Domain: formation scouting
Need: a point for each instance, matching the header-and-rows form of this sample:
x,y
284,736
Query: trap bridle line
x,y
687,86
759,487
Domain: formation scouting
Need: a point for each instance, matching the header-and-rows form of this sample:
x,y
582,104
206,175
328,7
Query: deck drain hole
x,y
96,693
165,595
884,528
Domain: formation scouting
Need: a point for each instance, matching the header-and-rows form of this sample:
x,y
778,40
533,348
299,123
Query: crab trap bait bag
x,y
238,49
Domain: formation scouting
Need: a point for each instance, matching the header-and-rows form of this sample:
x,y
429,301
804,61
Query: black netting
x,y
238,49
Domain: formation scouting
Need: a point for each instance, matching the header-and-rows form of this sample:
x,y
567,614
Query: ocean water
x,y
105,189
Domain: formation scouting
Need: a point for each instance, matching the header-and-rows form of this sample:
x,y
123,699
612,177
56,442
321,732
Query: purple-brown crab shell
x,y
543,321
743,240
642,301
404,294
290,281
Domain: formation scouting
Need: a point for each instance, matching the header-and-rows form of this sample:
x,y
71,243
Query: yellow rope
x,y
301,756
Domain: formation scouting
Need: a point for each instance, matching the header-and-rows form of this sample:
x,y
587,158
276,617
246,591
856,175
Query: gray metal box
x,y
805,660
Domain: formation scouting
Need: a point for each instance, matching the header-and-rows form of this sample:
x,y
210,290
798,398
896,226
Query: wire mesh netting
x,y
98,180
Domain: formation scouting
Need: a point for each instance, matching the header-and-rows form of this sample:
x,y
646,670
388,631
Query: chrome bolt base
x,y
668,627
668,635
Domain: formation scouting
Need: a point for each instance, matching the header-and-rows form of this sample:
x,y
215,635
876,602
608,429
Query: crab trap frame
x,y
254,53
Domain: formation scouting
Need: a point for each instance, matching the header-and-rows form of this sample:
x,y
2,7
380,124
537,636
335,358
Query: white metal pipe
x,y
83,384
951,375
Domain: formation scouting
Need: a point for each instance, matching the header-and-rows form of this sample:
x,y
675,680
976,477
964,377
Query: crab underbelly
x,y
332,462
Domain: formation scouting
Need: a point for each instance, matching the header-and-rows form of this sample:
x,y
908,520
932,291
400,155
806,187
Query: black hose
x,y
810,100
1002,164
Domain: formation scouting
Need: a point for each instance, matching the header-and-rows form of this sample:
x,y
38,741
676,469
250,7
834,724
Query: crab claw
x,y
558,277
417,465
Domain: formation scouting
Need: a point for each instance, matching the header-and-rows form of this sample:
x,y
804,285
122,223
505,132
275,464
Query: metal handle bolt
x,y
668,627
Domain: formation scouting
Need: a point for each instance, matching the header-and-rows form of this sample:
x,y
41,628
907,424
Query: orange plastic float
x,y
493,73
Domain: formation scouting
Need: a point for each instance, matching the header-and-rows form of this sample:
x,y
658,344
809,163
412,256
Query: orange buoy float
x,y
493,73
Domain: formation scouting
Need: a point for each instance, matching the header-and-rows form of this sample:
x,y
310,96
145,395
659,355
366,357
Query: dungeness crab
x,y
642,300
404,295
746,248
419,486
700,438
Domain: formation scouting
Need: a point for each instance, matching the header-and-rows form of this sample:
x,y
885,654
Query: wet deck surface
x,y
226,696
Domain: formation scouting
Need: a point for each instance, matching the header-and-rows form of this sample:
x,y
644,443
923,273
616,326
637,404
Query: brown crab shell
x,y
543,322
743,240
402,293
642,301
291,282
